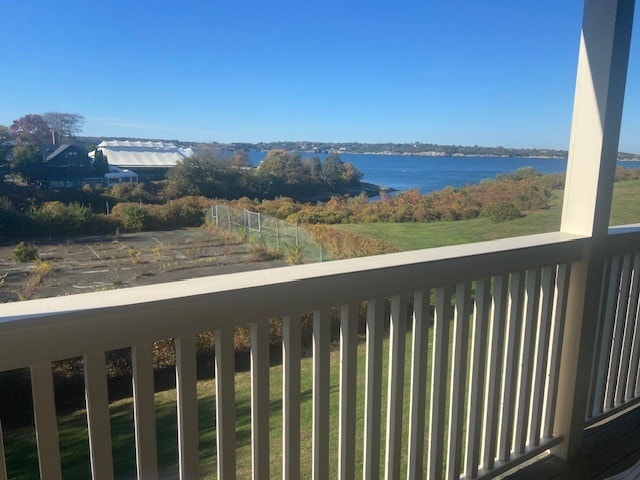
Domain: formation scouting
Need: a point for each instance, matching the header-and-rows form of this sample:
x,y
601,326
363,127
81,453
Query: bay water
x,y
427,174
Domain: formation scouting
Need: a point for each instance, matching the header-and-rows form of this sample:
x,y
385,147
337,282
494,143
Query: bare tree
x,y
67,125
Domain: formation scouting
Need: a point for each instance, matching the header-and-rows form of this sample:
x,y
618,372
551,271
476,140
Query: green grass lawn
x,y
21,452
413,236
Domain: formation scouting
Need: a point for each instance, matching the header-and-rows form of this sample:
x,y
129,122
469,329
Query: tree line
x,y
19,152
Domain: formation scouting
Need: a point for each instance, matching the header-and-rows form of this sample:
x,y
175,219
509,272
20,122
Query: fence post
x,y
229,217
277,237
297,240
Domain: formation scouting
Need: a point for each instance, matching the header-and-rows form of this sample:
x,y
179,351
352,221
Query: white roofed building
x,y
143,157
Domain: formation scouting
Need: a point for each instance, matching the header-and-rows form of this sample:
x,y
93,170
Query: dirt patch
x,y
105,262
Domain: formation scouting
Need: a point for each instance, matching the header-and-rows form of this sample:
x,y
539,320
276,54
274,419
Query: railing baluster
x,y
505,437
418,394
260,400
604,349
531,312
373,389
321,383
46,423
610,396
225,403
494,370
458,378
3,464
397,342
541,350
628,369
187,407
144,411
348,359
291,397
97,398
557,334
482,307
442,318
633,312
594,380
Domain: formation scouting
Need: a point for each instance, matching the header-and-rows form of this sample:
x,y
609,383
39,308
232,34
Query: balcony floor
x,y
607,449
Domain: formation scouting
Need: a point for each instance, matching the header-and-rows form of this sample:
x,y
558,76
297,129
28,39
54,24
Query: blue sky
x,y
490,72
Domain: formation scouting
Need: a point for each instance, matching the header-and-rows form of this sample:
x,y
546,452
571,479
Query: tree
x,y
331,170
239,159
27,162
30,130
67,125
100,163
5,149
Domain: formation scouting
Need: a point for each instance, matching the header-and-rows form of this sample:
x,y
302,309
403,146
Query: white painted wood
x,y
96,321
347,418
593,147
494,370
631,305
482,307
3,465
395,390
458,379
320,443
604,349
557,332
527,343
46,422
597,342
597,114
187,407
510,362
291,397
144,411
618,334
373,389
439,363
419,348
541,352
260,400
97,398
225,403
633,318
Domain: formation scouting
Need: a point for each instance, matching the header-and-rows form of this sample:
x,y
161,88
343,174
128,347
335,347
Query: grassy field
x,y
21,452
413,236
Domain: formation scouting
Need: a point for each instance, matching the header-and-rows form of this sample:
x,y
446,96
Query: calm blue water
x,y
402,172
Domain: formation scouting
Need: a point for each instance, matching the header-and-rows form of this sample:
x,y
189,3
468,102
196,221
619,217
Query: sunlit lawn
x,y
21,453
413,236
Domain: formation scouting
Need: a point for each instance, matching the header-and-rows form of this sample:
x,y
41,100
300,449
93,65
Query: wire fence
x,y
293,241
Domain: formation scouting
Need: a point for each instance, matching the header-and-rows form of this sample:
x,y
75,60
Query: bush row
x,y
57,218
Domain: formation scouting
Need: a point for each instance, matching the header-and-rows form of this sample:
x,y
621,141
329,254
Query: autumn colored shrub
x,y
344,244
502,211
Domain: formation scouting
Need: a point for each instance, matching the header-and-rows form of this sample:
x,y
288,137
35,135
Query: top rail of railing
x,y
63,327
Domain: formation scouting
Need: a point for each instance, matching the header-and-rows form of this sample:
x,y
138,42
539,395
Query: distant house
x,y
69,166
149,159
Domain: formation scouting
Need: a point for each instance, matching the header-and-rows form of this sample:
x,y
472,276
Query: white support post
x,y
595,131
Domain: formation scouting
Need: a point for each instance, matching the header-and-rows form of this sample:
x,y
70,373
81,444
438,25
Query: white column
x,y
600,85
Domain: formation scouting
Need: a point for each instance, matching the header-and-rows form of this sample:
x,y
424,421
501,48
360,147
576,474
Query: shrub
x,y
10,218
502,211
56,218
25,252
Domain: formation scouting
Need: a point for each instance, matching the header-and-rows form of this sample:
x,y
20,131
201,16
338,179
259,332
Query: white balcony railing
x,y
488,317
